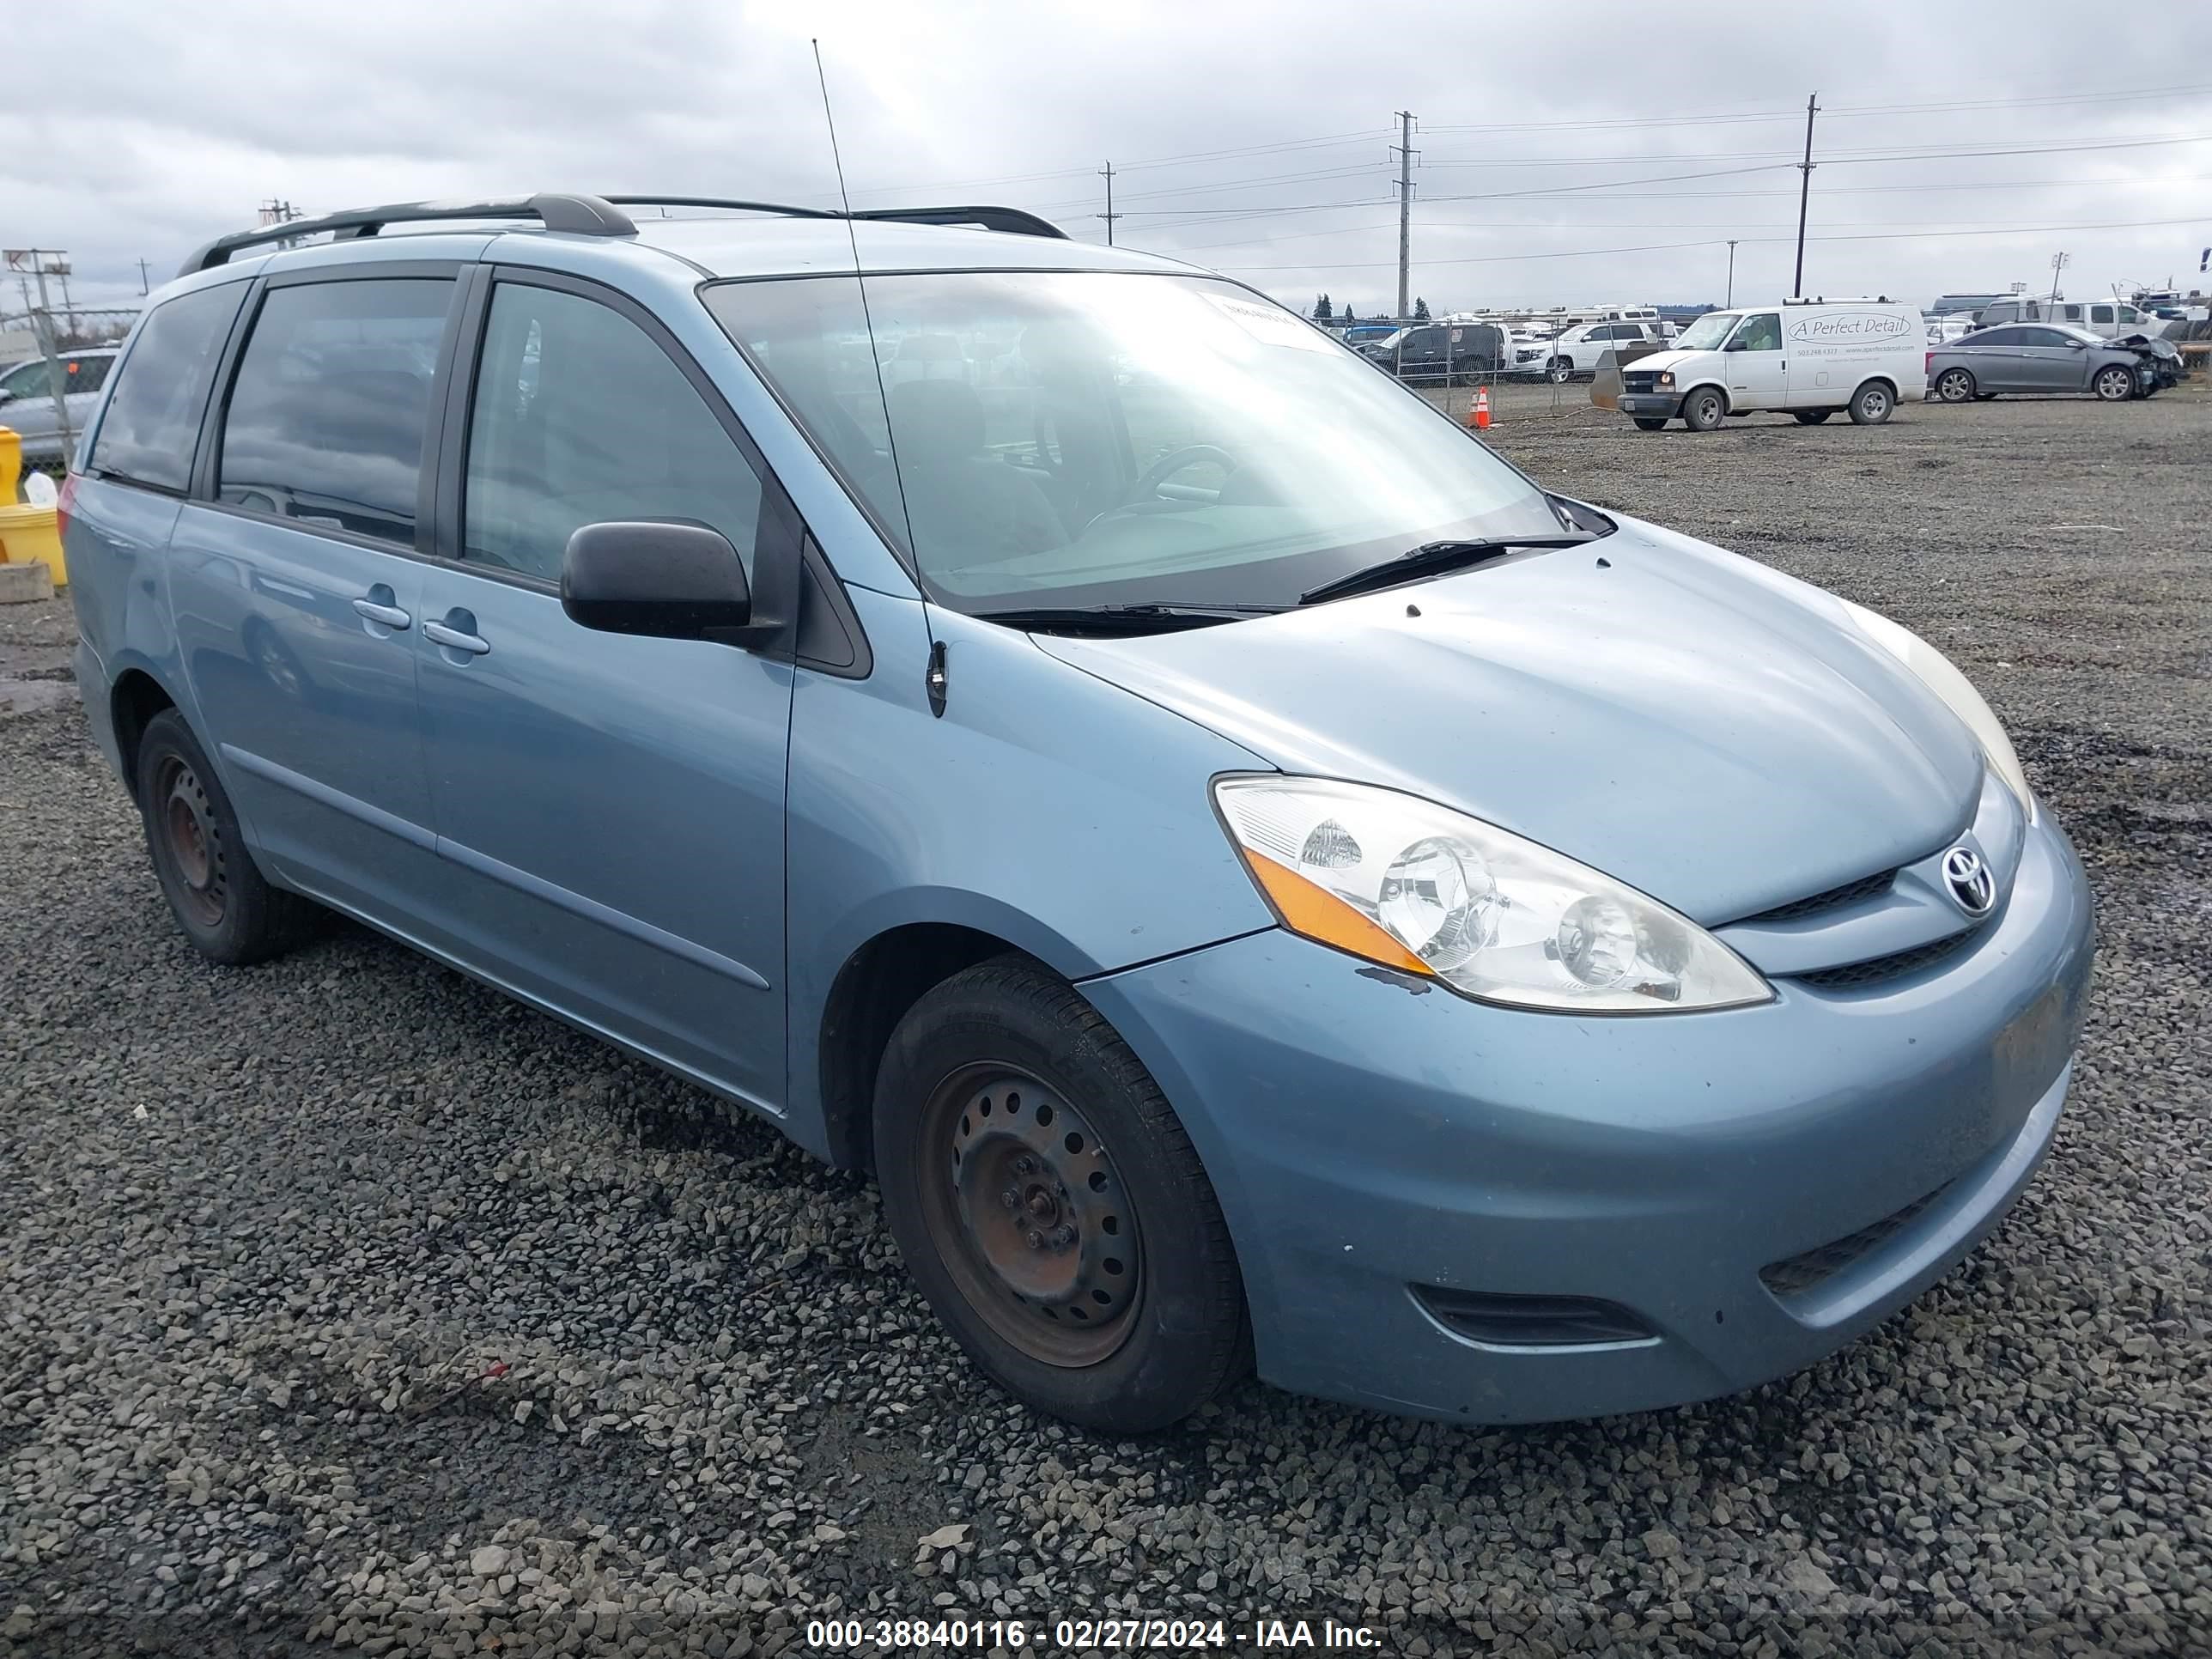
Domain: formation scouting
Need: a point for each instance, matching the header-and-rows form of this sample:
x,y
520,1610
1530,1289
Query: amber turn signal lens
x,y
1327,919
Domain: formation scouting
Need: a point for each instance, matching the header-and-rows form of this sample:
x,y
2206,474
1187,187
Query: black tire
x,y
1560,371
2113,384
1811,417
1873,403
1650,422
1956,386
1129,1314
225,906
1704,409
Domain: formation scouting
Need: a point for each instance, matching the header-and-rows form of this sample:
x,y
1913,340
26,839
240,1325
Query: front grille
x,y
1639,380
1530,1322
1801,1273
1851,892
1895,965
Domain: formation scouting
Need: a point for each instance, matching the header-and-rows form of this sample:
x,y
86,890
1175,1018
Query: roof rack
x,y
590,215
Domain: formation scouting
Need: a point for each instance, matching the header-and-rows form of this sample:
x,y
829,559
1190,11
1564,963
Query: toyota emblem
x,y
1973,889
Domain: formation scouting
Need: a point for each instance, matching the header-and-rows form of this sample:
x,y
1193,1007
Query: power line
x,y
1649,247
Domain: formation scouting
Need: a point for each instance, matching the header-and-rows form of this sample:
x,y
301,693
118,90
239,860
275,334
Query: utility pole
x,y
1804,194
143,289
1404,148
39,264
1730,300
1110,216
2059,263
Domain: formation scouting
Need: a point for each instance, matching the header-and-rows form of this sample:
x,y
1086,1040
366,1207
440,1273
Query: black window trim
x,y
207,459
89,440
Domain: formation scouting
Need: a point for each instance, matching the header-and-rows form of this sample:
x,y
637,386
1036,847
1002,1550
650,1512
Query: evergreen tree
x,y
1348,317
1420,310
1322,313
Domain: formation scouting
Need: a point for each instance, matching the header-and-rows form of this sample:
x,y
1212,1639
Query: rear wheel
x,y
1811,417
1050,1206
228,912
1651,423
1954,385
1872,404
2114,384
1704,409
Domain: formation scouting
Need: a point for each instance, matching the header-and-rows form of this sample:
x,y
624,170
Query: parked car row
x,y
1814,358
27,400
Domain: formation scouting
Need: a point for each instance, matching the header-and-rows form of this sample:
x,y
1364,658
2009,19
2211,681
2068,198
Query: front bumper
x,y
1368,1135
1648,403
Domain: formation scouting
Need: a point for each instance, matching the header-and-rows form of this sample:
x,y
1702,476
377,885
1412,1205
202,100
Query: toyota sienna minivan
x,y
1260,881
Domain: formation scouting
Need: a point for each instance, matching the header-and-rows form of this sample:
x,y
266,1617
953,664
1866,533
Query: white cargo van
x,y
1809,358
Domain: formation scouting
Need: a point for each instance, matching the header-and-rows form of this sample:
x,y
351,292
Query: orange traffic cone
x,y
1478,414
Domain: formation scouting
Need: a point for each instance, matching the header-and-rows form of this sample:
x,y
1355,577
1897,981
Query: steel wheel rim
x,y
193,840
1030,1216
1876,404
1708,407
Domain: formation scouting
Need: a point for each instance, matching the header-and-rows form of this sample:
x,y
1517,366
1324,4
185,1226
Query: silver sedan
x,y
2033,357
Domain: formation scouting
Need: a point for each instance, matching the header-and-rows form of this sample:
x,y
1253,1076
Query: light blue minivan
x,y
1258,880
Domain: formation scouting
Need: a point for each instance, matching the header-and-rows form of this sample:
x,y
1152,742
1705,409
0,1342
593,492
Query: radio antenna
x,y
933,679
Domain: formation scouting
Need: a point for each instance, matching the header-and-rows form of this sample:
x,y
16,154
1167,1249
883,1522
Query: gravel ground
x,y
347,1307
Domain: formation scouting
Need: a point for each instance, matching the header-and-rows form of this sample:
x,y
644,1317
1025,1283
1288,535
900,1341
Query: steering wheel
x,y
1175,460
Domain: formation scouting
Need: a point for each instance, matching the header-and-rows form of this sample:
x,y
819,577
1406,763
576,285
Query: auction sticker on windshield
x,y
1270,326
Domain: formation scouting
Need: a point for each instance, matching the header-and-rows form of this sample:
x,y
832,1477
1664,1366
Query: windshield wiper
x,y
1124,618
1429,559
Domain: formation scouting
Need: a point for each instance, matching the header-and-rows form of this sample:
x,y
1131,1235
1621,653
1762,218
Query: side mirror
x,y
670,581
1737,345
6,396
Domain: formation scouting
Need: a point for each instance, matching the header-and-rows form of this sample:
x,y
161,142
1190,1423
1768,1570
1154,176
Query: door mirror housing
x,y
668,579
1738,344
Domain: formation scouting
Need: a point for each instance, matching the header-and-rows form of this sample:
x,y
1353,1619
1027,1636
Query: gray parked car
x,y
27,400
2039,357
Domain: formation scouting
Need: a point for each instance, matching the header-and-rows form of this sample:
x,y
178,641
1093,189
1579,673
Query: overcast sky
x,y
1567,152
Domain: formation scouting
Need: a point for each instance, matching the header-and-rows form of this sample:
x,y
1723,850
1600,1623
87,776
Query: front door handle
x,y
377,611
453,639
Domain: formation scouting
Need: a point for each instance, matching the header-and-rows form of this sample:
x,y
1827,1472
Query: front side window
x,y
1086,438
2100,314
153,420
332,403
580,418
1759,333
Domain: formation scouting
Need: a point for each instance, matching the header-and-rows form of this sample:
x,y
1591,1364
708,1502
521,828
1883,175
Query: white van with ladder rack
x,y
1807,357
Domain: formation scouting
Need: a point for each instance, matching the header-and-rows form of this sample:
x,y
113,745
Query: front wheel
x,y
2114,384
1050,1206
1871,404
1811,417
1650,422
1558,370
1703,410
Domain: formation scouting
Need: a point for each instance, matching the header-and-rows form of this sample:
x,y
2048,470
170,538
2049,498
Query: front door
x,y
609,807
2052,361
1758,370
297,590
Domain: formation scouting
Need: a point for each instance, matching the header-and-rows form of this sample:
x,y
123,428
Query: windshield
x,y
1708,331
1088,438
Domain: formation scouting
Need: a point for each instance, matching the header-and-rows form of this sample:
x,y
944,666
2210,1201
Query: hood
x,y
1669,357
1703,728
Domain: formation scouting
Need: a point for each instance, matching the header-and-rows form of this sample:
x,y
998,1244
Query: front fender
x,y
1046,808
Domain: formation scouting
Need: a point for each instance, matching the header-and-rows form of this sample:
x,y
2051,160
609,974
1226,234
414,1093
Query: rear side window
x,y
2100,313
153,419
580,418
329,411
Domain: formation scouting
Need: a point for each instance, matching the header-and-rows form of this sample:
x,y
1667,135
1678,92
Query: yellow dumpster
x,y
28,534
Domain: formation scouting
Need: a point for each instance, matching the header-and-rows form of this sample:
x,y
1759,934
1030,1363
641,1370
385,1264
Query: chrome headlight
x,y
1417,887
1937,671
